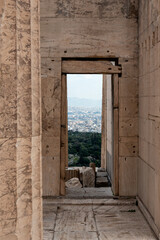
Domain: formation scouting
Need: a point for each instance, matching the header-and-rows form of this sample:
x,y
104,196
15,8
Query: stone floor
x,y
103,192
94,219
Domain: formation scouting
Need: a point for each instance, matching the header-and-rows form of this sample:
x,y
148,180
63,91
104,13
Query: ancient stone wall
x,y
20,132
149,107
96,29
90,29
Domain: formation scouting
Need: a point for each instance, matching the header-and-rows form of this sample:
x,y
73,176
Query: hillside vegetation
x,y
83,148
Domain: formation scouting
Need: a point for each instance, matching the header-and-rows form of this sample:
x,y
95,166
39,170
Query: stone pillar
x,y
51,122
8,116
24,121
20,148
36,153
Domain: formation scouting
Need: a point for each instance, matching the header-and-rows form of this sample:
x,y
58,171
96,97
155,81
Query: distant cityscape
x,y
85,118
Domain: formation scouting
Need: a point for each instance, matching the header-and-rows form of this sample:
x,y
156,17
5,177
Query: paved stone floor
x,y
94,219
103,192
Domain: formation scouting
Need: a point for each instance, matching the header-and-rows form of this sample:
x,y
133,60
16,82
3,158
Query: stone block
x,y
128,146
51,166
73,183
88,177
128,176
101,174
102,182
128,107
128,87
128,127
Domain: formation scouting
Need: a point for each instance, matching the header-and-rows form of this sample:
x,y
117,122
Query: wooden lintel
x,y
89,67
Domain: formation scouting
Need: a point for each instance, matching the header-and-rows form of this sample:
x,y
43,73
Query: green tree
x,y
87,146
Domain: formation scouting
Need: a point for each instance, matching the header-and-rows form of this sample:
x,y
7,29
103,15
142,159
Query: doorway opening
x,y
84,119
84,175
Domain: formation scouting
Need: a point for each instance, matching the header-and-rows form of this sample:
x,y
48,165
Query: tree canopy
x,y
83,148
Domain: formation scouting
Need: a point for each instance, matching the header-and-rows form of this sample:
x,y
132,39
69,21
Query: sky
x,y
88,86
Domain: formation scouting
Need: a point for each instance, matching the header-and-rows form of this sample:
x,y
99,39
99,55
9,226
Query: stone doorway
x,y
96,66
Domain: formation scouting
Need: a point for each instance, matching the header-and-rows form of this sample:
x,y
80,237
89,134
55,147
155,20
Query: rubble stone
x,y
73,183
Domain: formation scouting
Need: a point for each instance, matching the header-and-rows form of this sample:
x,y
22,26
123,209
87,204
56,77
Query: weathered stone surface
x,y
73,30
101,169
88,177
101,174
20,116
73,183
149,111
97,9
97,219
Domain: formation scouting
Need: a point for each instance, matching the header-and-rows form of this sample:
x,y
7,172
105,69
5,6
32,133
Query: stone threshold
x,y
105,202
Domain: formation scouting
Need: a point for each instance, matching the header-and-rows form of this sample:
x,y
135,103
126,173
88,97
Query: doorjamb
x,y
115,186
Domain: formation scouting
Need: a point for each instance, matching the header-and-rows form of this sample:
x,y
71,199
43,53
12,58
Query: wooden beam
x,y
89,67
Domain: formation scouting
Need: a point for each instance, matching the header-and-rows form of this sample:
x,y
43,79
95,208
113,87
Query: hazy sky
x,y
87,86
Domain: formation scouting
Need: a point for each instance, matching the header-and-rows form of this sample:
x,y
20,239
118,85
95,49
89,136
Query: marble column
x,y
8,116
20,113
